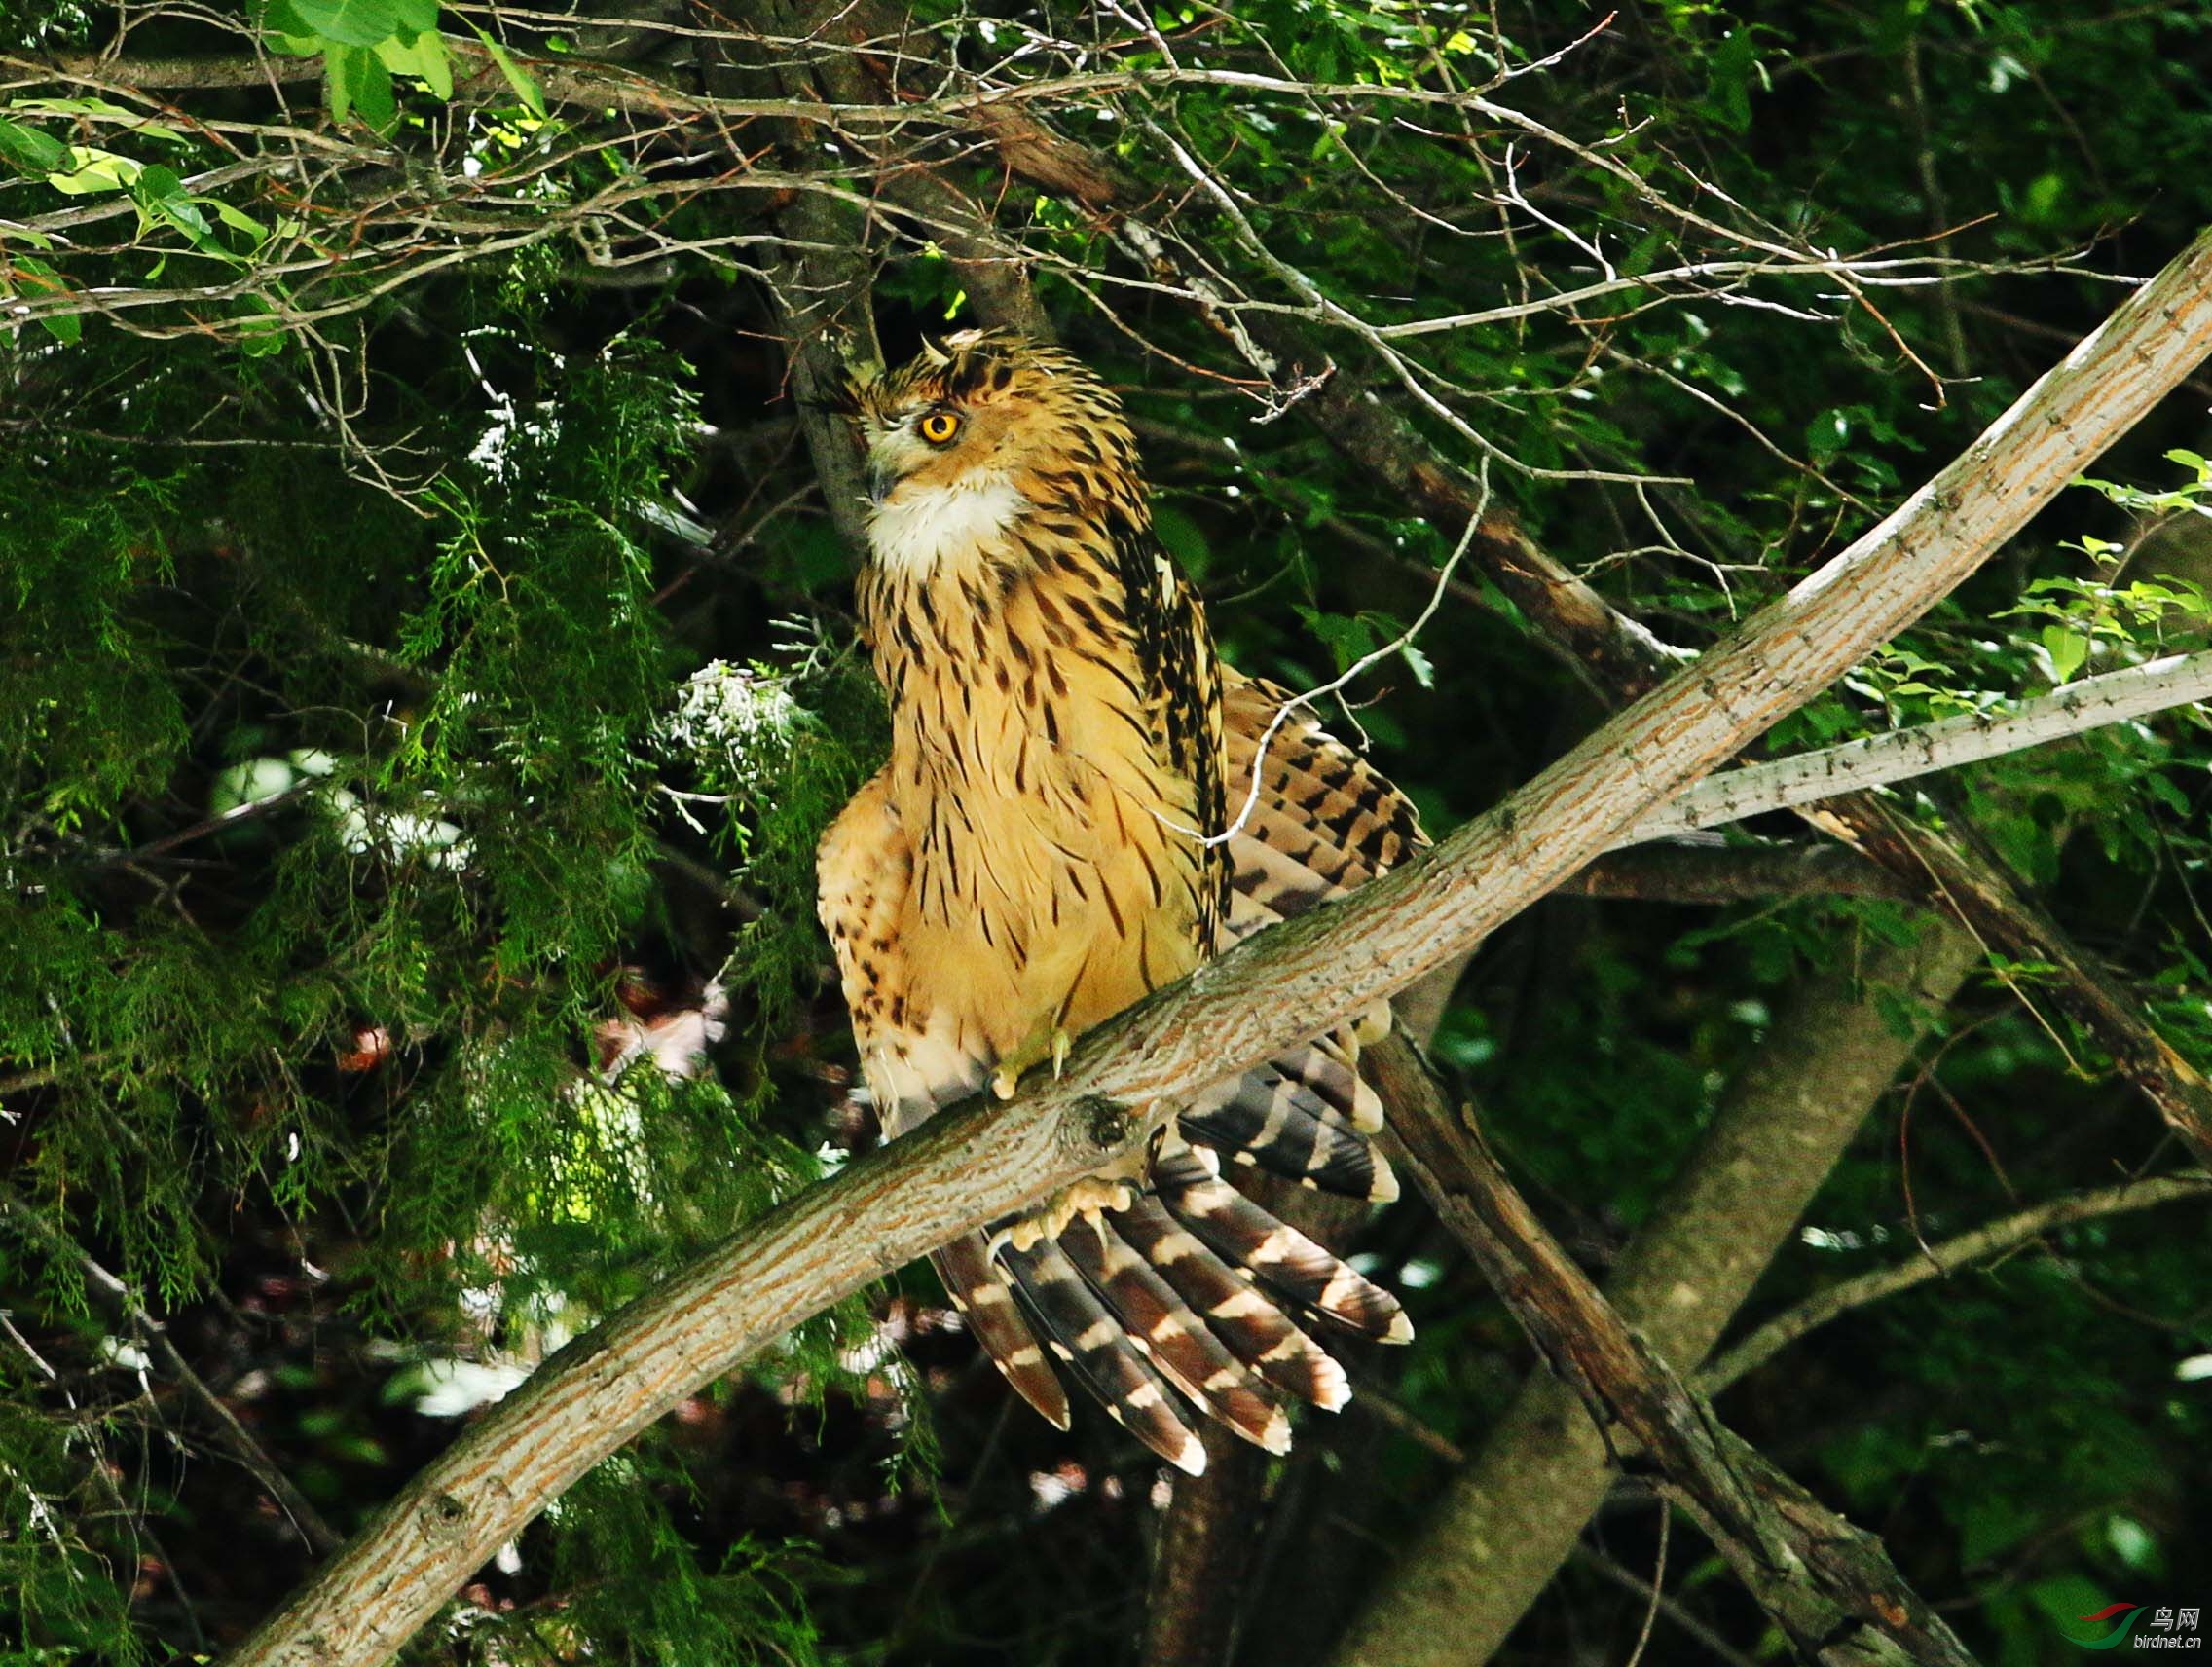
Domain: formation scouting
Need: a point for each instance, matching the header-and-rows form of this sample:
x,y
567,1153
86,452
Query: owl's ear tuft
x,y
844,397
933,355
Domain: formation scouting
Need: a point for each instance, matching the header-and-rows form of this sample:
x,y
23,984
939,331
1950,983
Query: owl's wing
x,y
1321,823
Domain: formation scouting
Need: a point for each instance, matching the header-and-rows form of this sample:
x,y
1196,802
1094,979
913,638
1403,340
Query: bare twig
x,y
236,1439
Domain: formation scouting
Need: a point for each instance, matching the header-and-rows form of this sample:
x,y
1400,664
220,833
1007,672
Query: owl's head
x,y
989,412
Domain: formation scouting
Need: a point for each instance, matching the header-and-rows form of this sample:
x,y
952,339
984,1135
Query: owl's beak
x,y
880,481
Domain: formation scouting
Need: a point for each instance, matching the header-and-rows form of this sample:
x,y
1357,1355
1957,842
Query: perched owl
x,y
1046,846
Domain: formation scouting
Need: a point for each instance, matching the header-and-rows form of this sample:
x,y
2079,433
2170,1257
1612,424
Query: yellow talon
x,y
1007,1077
1086,1196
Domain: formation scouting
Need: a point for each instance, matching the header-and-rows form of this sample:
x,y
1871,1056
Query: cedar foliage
x,y
500,606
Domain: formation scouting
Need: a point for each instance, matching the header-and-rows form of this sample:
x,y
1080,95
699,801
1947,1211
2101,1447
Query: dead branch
x,y
1899,754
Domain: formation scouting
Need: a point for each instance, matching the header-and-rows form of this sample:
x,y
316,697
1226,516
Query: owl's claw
x,y
1086,1196
1006,1079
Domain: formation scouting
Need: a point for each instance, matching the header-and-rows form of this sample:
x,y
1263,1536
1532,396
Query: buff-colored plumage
x,y
1043,849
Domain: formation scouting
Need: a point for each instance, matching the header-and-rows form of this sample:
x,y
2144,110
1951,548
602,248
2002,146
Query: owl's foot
x,y
1086,1196
1006,1079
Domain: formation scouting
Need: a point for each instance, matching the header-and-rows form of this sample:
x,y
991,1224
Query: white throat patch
x,y
917,529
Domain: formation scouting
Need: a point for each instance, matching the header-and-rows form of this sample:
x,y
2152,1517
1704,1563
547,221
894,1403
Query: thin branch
x,y
1941,1261
1716,1646
1878,761
234,1438
1709,871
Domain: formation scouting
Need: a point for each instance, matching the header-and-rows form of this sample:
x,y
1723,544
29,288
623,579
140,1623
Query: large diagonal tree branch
x,y
979,1161
1620,658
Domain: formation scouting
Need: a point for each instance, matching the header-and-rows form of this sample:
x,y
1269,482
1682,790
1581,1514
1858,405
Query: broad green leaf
x,y
100,108
28,148
358,80
2067,649
287,31
91,172
423,57
350,22
234,218
34,275
161,197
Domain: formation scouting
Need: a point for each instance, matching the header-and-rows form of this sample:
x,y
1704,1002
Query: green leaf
x,y
1826,434
358,80
1348,639
348,22
234,218
131,120
28,148
524,87
2067,649
91,172
162,199
423,57
33,274
287,31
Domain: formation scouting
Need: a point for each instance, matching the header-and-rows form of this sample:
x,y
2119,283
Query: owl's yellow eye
x,y
938,427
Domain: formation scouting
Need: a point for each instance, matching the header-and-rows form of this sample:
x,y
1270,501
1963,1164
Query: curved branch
x,y
1940,1261
981,1161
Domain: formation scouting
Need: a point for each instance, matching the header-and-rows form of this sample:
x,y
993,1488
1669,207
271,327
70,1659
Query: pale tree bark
x,y
1506,1524
1901,755
981,1161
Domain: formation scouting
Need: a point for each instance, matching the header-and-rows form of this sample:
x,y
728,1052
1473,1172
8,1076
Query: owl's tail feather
x,y
1177,1340
1096,1347
1281,1125
1251,1327
984,1298
1247,1237
1329,1066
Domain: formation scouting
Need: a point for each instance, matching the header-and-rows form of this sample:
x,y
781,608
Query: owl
x,y
1082,803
